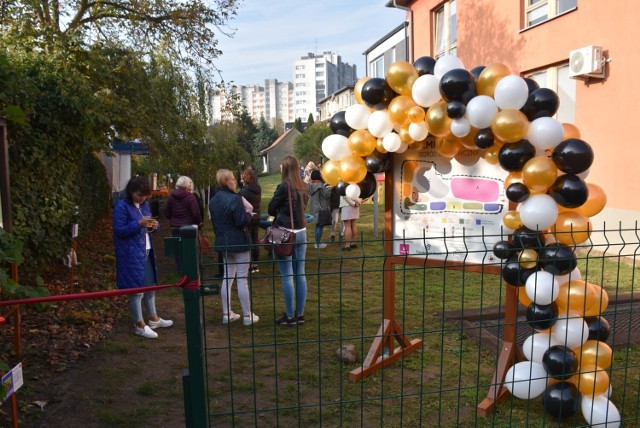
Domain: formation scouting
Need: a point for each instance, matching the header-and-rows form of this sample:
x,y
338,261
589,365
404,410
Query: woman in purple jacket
x,y
182,209
135,258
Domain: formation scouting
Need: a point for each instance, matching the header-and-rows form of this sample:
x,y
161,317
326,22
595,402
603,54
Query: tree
x,y
297,124
265,135
309,145
310,121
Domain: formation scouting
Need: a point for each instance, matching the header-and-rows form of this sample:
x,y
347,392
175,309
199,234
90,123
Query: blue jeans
x,y
318,237
292,268
149,298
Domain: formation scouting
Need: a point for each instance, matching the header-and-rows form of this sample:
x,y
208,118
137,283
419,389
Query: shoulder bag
x,y
278,239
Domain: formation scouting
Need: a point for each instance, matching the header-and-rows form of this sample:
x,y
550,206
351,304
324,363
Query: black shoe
x,y
286,321
354,245
300,319
333,238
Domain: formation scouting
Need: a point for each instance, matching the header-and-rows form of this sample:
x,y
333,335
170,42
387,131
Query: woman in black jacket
x,y
292,268
252,192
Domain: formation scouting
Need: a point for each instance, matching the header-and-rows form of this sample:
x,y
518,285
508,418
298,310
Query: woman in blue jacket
x,y
230,218
135,258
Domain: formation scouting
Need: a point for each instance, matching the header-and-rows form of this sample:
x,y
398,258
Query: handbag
x,y
324,217
279,239
204,246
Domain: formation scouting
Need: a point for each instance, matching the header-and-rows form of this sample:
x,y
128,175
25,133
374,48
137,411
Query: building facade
x,y
338,101
537,39
389,49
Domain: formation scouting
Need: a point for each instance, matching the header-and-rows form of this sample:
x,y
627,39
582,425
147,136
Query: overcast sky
x,y
271,35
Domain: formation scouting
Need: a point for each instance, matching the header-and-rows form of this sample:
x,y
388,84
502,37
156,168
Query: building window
x,y
557,79
300,85
300,93
300,76
537,11
446,37
299,67
377,68
319,73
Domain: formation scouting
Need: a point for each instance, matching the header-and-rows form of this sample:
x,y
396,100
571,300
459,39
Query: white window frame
x,y
567,98
550,8
376,67
442,30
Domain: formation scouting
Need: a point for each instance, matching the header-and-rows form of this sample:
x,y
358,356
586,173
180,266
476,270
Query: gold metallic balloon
x,y
596,353
528,258
361,143
405,137
379,147
469,140
539,173
438,122
510,125
597,301
596,201
448,146
357,90
416,114
523,298
576,295
572,228
570,131
591,380
399,109
489,78
512,219
491,155
331,172
401,76
353,169
513,177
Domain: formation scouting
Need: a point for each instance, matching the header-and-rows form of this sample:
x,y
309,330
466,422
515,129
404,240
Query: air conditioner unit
x,y
586,62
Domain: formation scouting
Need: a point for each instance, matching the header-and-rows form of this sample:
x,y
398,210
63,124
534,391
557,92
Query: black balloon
x,y
573,156
517,192
557,259
513,156
598,328
368,186
475,71
457,85
503,250
542,102
542,317
515,274
484,138
424,65
569,190
523,238
376,93
560,361
561,400
532,85
339,124
341,187
377,162
456,109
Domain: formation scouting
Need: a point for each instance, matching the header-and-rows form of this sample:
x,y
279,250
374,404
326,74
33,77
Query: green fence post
x,y
195,394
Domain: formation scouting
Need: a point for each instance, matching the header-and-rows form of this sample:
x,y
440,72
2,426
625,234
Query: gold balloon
x,y
512,219
331,172
353,169
489,78
570,131
379,147
361,142
528,258
491,155
591,380
357,89
576,295
469,140
510,125
594,352
572,228
405,137
401,76
539,173
399,109
448,146
597,301
513,177
523,298
596,201
416,114
437,119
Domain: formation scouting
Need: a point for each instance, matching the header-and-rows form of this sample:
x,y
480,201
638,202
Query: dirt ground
x,y
84,366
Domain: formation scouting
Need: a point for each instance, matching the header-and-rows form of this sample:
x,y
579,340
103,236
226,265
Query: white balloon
x,y
599,411
352,191
379,123
536,345
511,92
335,147
426,90
570,330
357,116
545,133
391,142
538,212
542,288
446,63
481,110
460,127
526,380
571,276
418,131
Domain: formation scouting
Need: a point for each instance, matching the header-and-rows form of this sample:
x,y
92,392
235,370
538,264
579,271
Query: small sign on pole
x,y
12,381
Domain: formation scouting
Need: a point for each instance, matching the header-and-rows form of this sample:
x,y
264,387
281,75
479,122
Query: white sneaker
x,y
160,323
146,332
320,245
230,318
250,319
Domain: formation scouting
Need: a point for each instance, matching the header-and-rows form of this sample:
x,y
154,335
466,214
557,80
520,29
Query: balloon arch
x,y
509,118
